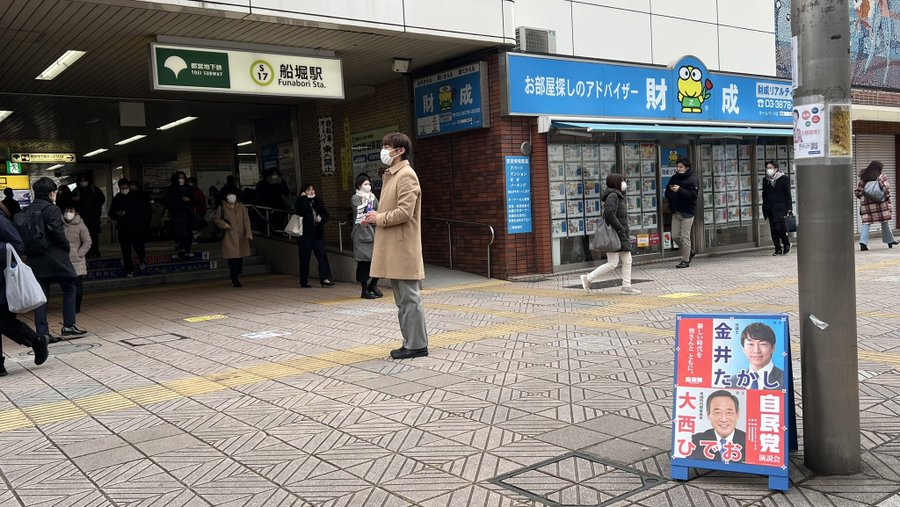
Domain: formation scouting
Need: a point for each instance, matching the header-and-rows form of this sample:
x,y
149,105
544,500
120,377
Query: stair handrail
x,y
450,222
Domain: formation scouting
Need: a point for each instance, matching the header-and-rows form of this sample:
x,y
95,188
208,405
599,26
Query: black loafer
x,y
72,330
683,264
403,353
374,290
777,252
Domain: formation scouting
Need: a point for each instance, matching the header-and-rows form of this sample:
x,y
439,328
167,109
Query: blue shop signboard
x,y
518,195
452,101
540,85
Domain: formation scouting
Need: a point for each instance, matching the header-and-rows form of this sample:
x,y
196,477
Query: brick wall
x,y
388,105
463,179
875,98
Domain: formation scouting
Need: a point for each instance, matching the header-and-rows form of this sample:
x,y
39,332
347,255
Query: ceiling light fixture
x,y
246,154
131,139
401,65
176,123
55,167
245,143
95,152
5,114
61,64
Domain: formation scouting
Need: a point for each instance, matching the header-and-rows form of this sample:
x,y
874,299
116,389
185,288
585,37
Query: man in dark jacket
x,y
12,205
89,202
54,265
10,325
681,192
776,204
272,192
127,211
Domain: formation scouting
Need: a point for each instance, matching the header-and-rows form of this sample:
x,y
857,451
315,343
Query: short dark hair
x,y
362,178
684,161
758,331
8,192
123,181
43,186
614,181
398,140
306,186
721,393
773,163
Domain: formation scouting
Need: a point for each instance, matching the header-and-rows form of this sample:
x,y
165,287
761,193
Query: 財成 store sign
x,y
452,101
196,69
686,91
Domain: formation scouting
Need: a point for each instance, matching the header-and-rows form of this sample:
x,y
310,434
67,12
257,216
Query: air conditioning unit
x,y
535,40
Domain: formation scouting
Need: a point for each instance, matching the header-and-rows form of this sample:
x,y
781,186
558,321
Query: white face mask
x,y
624,186
83,184
231,198
311,195
124,191
365,188
770,172
180,181
386,157
69,216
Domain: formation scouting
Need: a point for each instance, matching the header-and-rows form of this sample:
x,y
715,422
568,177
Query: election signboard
x,y
733,403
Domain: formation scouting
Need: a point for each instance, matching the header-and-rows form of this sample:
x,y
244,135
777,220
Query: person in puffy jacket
x,y
681,192
79,245
615,213
874,212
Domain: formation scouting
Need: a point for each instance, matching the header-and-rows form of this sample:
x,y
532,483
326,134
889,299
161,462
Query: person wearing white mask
x,y
363,236
615,213
232,216
179,205
315,216
128,212
397,253
776,204
79,244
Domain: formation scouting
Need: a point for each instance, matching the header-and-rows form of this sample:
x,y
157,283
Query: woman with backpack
x,y
874,193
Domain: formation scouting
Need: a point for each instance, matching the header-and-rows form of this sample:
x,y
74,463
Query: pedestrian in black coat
x,y
776,197
681,192
180,205
315,216
89,200
54,265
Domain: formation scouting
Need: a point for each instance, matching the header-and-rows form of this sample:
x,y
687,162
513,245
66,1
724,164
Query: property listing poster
x,y
730,403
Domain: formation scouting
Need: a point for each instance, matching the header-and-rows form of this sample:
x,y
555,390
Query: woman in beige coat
x,y
79,244
232,216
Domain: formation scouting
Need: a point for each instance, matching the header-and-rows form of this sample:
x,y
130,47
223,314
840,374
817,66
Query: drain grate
x,y
577,479
153,340
606,284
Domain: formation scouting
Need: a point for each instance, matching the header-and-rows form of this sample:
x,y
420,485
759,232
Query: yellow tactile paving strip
x,y
619,305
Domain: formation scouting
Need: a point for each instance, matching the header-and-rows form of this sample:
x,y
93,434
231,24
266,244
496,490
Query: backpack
x,y
873,191
33,230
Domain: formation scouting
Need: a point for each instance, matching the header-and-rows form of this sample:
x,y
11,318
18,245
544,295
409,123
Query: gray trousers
x,y
681,234
411,313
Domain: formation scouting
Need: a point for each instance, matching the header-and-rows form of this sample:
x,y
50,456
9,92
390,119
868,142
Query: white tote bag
x,y
294,227
23,292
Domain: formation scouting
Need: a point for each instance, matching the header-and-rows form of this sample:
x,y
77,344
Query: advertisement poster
x,y
366,150
809,131
518,195
732,379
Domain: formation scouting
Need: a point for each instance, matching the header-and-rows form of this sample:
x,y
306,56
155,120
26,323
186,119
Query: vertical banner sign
x,y
452,100
518,195
731,398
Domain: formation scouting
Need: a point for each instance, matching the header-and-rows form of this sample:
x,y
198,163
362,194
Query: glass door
x,y
726,183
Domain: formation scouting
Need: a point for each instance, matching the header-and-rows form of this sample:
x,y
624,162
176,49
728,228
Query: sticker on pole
x,y
809,131
731,398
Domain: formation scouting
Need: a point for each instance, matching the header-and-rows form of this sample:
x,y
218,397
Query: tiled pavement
x,y
532,391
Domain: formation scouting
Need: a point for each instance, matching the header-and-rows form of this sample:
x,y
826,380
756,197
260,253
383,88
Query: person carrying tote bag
x,y
615,215
10,325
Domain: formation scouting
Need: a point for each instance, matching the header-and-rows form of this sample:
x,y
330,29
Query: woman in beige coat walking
x,y
79,245
232,216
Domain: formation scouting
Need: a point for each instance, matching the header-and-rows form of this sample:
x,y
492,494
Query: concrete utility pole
x,y
826,254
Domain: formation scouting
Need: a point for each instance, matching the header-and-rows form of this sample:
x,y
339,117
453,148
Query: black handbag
x,y
790,223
